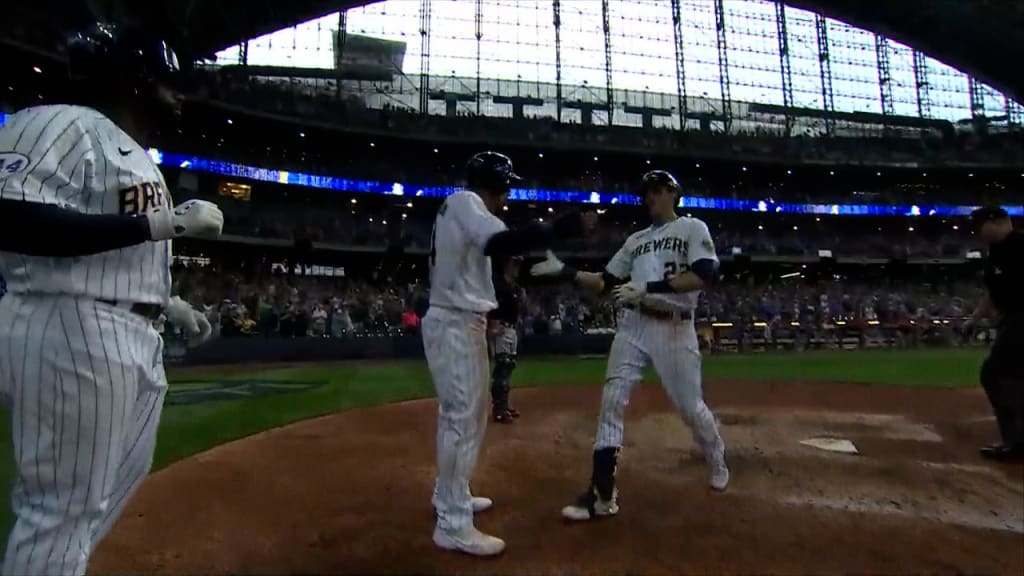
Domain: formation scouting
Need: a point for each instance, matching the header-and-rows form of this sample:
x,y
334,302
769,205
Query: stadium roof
x,y
984,38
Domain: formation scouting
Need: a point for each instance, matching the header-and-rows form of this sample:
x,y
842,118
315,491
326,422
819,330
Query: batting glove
x,y
630,292
180,313
551,266
197,218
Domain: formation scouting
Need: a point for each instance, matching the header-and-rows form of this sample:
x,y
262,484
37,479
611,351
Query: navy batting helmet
x,y
115,58
657,178
491,171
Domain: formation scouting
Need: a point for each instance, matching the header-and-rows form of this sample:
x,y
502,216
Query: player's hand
x,y
197,218
193,322
551,266
630,292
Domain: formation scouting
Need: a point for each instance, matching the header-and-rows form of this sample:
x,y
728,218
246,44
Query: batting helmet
x,y
121,61
657,178
491,171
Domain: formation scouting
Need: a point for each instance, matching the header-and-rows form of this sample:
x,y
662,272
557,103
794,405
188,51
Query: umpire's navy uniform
x,y
1002,373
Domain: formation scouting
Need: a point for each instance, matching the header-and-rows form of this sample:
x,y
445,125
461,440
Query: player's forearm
x,y
37,229
686,282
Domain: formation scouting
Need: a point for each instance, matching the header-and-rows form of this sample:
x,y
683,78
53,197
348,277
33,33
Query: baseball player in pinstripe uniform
x,y
503,325
85,249
466,235
656,277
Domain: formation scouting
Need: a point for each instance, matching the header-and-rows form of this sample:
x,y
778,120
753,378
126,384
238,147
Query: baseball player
x,y
466,235
86,260
503,322
656,277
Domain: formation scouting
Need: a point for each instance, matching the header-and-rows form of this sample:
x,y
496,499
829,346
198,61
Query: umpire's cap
x,y
122,57
987,214
657,178
491,171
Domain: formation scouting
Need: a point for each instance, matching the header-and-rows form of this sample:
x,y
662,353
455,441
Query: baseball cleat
x,y
477,503
504,417
480,504
513,412
469,541
589,506
719,479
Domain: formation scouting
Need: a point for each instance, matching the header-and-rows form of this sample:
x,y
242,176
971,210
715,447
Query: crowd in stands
x,y
302,306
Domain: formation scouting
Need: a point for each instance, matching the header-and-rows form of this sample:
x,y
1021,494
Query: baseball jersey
x,y
460,273
660,252
78,159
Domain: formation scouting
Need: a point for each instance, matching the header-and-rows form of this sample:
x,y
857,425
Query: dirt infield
x,y
350,493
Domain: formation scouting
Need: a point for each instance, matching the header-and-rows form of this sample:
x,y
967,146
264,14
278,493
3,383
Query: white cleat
x,y
469,541
590,506
477,503
719,477
480,504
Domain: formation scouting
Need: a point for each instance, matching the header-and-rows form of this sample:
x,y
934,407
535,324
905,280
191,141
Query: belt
x,y
672,315
147,311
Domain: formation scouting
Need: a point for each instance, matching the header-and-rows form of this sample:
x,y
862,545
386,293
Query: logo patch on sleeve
x,y
12,163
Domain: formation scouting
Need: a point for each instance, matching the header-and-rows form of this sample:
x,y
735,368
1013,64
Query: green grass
x,y
189,429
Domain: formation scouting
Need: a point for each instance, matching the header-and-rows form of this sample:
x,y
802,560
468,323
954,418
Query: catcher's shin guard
x,y
500,383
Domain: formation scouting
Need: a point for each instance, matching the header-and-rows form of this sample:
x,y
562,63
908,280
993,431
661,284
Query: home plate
x,y
831,444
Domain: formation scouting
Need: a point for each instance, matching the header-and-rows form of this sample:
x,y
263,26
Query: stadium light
x,y
540,154
372,145
230,121
698,164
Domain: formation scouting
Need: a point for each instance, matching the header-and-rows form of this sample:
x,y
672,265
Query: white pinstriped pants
x,y
455,343
673,349
84,383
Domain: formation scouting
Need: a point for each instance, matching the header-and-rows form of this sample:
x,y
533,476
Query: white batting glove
x,y
630,292
551,266
180,313
197,218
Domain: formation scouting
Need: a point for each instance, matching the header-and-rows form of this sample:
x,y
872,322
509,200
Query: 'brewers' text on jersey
x,y
660,252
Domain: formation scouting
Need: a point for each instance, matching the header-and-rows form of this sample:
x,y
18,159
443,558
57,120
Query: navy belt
x,y
148,311
673,315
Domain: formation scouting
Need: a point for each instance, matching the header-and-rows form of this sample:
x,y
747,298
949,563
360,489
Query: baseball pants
x,y
505,346
1002,378
673,349
455,343
84,383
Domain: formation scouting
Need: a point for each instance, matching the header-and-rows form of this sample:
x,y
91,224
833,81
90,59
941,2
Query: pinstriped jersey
x,y
78,159
660,252
460,273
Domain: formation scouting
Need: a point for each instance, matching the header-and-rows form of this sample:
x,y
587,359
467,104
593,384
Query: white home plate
x,y
831,444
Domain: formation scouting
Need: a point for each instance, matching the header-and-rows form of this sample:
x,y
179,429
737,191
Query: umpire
x,y
504,340
1002,373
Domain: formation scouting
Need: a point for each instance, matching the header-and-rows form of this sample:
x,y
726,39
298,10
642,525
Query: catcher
x,y
503,339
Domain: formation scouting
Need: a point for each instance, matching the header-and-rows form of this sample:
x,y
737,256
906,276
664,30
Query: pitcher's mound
x,y
350,493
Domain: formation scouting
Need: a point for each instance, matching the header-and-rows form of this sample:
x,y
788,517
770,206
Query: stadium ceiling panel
x,y
981,36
